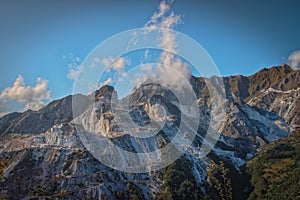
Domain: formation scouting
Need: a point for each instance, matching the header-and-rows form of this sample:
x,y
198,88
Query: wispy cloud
x,y
111,63
74,65
117,65
73,72
294,59
161,19
166,19
32,97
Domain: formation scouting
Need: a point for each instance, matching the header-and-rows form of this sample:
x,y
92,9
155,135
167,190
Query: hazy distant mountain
x,y
43,156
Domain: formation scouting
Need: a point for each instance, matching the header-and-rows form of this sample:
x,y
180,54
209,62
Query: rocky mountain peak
x,y
48,156
266,77
105,91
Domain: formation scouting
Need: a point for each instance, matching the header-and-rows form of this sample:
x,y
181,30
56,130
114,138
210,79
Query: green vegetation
x,y
3,165
219,180
38,190
6,161
179,182
276,170
120,195
133,192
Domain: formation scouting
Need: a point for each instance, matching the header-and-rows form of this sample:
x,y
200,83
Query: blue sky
x,y
41,38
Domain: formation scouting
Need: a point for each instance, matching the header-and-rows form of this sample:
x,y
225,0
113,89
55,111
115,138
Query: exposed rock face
x,y
260,109
56,112
7,120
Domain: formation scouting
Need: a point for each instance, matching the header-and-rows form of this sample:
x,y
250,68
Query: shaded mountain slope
x,y
58,111
275,170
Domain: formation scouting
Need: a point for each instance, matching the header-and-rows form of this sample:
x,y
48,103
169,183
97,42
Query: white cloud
x,y
94,86
32,96
107,61
294,59
159,19
166,19
170,21
74,66
108,81
36,105
146,67
119,64
115,64
73,72
140,79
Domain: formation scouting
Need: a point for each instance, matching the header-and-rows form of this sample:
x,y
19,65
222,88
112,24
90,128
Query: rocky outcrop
x,y
56,112
259,109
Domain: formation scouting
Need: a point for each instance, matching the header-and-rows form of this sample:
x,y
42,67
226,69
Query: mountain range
x,y
43,154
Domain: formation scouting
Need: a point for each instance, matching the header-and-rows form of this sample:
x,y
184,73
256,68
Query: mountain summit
x,y
43,156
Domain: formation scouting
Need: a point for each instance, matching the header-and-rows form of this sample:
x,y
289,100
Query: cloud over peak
x,y
115,64
294,59
161,19
32,96
73,65
166,19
